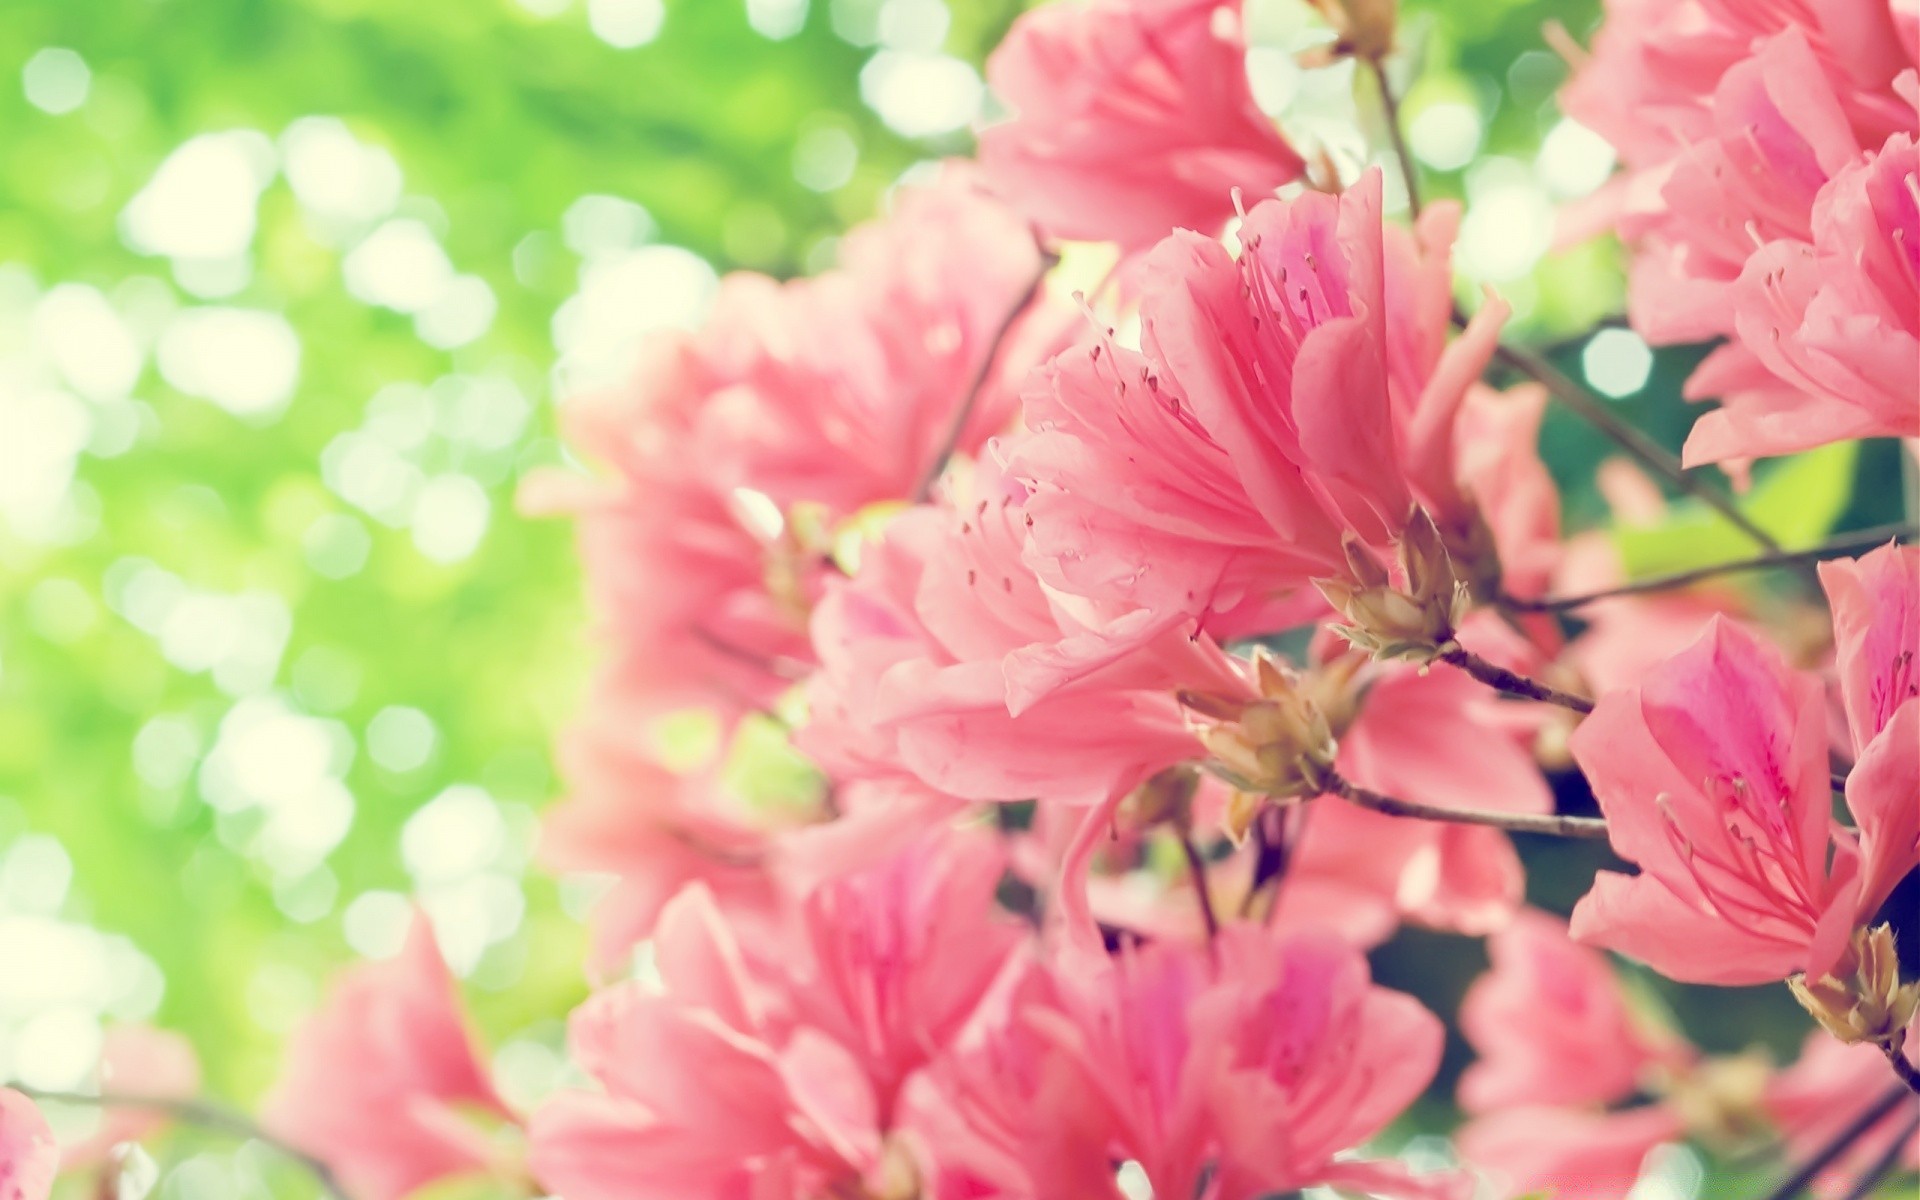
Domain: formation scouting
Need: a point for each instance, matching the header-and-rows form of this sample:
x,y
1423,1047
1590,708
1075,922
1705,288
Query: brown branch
x,y
1512,682
1391,104
957,428
202,1114
1888,1160
1197,867
1839,1144
1852,543
1550,825
1907,1073
1637,444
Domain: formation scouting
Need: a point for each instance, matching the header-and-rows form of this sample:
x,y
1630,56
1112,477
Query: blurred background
x,y
289,293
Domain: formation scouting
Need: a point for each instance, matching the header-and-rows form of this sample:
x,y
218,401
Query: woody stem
x,y
1889,1159
202,1114
1512,682
957,427
1393,806
1197,867
1906,1071
1648,452
1390,103
1839,1144
1852,543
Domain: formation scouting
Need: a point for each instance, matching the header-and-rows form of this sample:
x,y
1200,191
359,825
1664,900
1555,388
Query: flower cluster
x,y
1156,653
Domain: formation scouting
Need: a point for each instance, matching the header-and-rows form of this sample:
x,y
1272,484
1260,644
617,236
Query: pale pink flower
x,y
742,1081
1551,1025
29,1157
1713,776
1250,1066
1130,118
1282,400
740,449
1834,319
654,830
1567,1153
945,659
385,1083
136,1060
1778,134
1649,83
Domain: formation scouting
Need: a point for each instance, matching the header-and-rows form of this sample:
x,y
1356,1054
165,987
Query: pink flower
x,y
1649,83
1557,1046
1779,133
1876,629
742,1082
136,1060
29,1157
740,450
1567,1153
945,659
1551,1025
1834,320
1282,400
385,1084
656,831
1712,773
1252,1063
1130,118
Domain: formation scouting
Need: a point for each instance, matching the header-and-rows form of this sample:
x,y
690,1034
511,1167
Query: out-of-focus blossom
x,y
385,1083
741,450
1713,775
1649,84
1131,118
784,1083
653,830
1283,402
29,1157
136,1060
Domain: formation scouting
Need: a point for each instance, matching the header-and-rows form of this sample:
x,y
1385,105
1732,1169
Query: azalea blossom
x,y
1281,403
385,1083
1130,119
1713,776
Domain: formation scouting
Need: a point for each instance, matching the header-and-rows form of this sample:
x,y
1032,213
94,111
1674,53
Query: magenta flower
x,y
1131,118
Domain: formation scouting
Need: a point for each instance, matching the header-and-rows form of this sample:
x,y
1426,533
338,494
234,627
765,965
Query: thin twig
x,y
1393,806
1851,543
1907,1073
1883,1166
1197,867
202,1114
1648,452
1512,682
1391,104
957,428
1839,1144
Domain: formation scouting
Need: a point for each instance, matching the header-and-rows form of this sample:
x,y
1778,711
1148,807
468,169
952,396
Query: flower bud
x,y
1275,747
1364,27
1871,1006
1721,1101
1415,621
